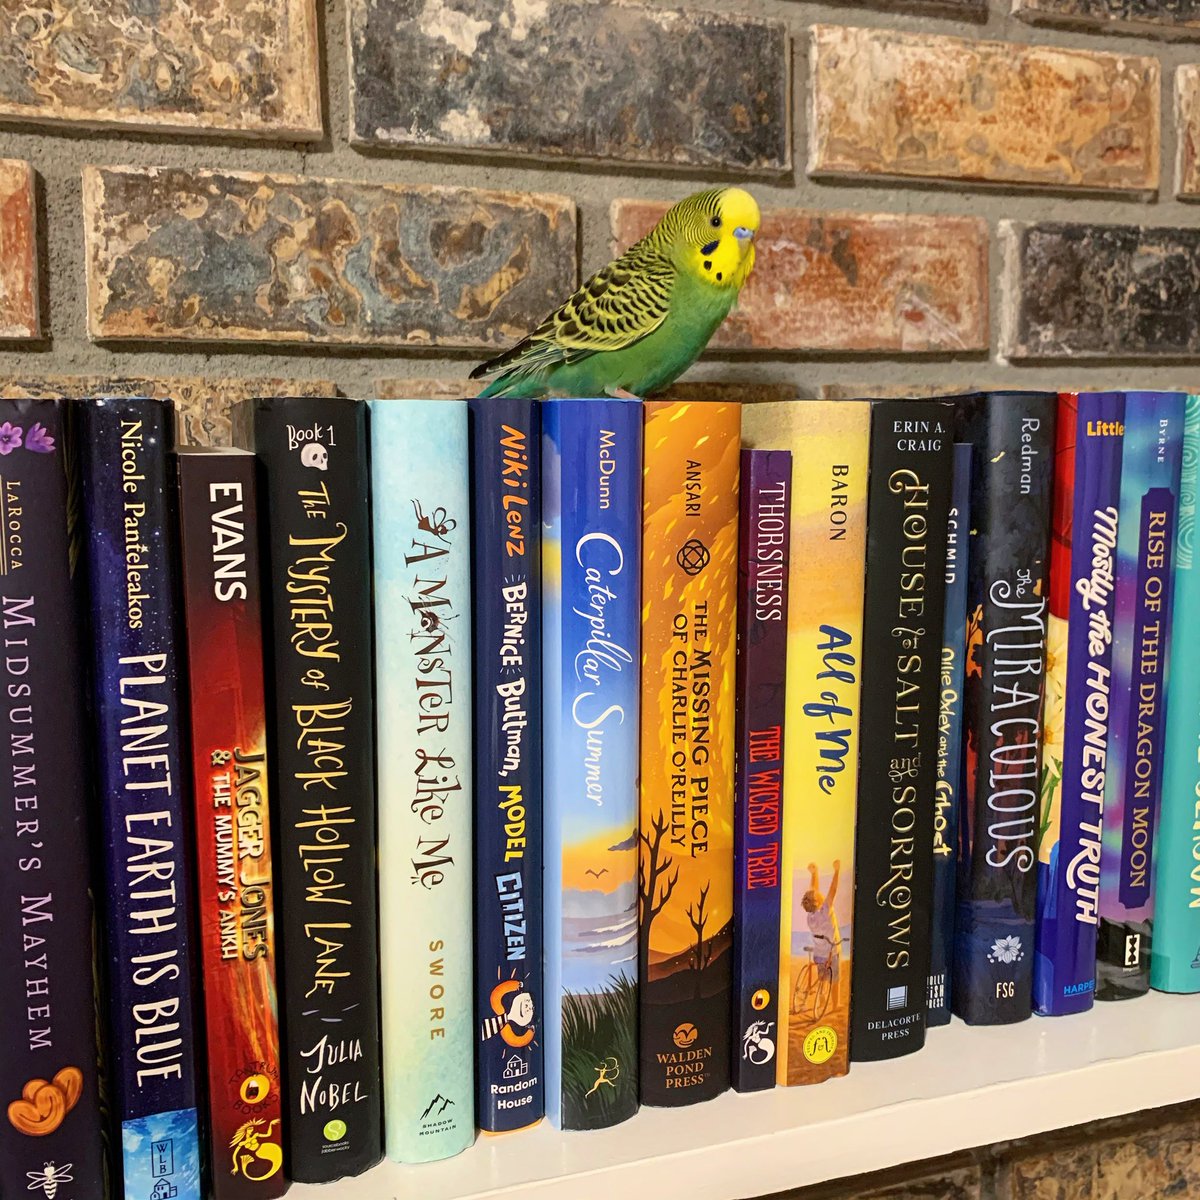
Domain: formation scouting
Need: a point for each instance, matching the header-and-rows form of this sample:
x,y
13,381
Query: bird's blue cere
x,y
743,234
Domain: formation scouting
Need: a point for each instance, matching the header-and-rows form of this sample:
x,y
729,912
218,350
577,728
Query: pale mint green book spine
x,y
1175,950
422,546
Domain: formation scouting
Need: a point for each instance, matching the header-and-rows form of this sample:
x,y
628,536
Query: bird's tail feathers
x,y
510,357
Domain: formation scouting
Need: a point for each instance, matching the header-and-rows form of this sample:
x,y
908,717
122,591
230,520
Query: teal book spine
x,y
1175,950
422,541
591,619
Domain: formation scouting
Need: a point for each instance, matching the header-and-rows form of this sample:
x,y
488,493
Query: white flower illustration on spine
x,y
1006,950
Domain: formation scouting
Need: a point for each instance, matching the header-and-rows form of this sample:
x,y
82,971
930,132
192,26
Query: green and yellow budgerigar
x,y
641,321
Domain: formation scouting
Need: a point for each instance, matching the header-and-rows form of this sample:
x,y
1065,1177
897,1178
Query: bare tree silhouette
x,y
698,916
654,886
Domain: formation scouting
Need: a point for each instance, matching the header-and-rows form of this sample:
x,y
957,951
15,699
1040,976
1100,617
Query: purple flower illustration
x,y
10,437
38,440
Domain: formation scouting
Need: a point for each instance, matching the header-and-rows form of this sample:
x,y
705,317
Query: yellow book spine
x,y
830,444
689,629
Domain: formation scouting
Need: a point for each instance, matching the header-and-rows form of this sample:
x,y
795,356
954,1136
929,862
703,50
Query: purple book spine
x,y
1087,485
1150,468
764,534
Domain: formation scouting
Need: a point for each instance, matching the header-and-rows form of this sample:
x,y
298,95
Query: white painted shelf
x,y
967,1087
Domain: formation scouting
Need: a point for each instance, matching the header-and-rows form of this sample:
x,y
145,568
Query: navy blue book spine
x,y
51,1141
763,539
132,568
948,796
506,602
1008,609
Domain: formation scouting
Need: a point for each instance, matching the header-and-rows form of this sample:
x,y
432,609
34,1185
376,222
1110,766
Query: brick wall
x,y
375,194
219,199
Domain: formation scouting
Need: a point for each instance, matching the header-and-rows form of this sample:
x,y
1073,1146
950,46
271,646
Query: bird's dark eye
x,y
715,222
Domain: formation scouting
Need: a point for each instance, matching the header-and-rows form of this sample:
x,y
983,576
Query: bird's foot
x,y
620,393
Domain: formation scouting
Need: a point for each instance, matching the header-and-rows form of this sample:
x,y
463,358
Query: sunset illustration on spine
x,y
591,556
829,442
689,615
235,896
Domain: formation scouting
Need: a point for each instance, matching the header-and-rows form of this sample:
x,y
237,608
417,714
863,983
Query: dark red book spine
x,y
235,893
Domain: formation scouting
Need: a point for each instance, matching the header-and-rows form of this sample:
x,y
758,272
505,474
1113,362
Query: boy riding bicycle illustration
x,y
819,981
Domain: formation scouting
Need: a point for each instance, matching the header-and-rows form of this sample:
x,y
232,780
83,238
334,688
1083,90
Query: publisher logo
x,y
1133,949
255,1089
693,556
760,999
820,1045
334,1130
758,1048
897,997
1006,950
685,1035
437,1106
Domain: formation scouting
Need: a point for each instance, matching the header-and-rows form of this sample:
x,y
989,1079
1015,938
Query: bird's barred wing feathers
x,y
618,306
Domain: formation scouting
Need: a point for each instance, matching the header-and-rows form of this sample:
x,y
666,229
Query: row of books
x,y
440,764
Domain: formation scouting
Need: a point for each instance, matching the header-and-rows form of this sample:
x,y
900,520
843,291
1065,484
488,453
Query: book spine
x,y
1087,483
689,653
1150,470
763,556
506,601
422,539
234,887
828,520
132,554
948,796
1175,951
422,532
312,483
907,509
1013,436
591,608
48,1056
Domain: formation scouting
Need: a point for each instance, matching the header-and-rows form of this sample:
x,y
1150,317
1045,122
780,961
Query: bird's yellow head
x,y
712,235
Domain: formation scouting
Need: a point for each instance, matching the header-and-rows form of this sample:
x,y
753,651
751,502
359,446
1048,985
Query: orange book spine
x,y
689,630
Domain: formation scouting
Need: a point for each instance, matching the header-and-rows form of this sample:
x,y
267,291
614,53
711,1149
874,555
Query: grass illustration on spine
x,y
594,1025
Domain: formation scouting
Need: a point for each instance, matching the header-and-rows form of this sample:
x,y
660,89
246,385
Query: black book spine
x,y
48,1054
1007,609
313,490
908,503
